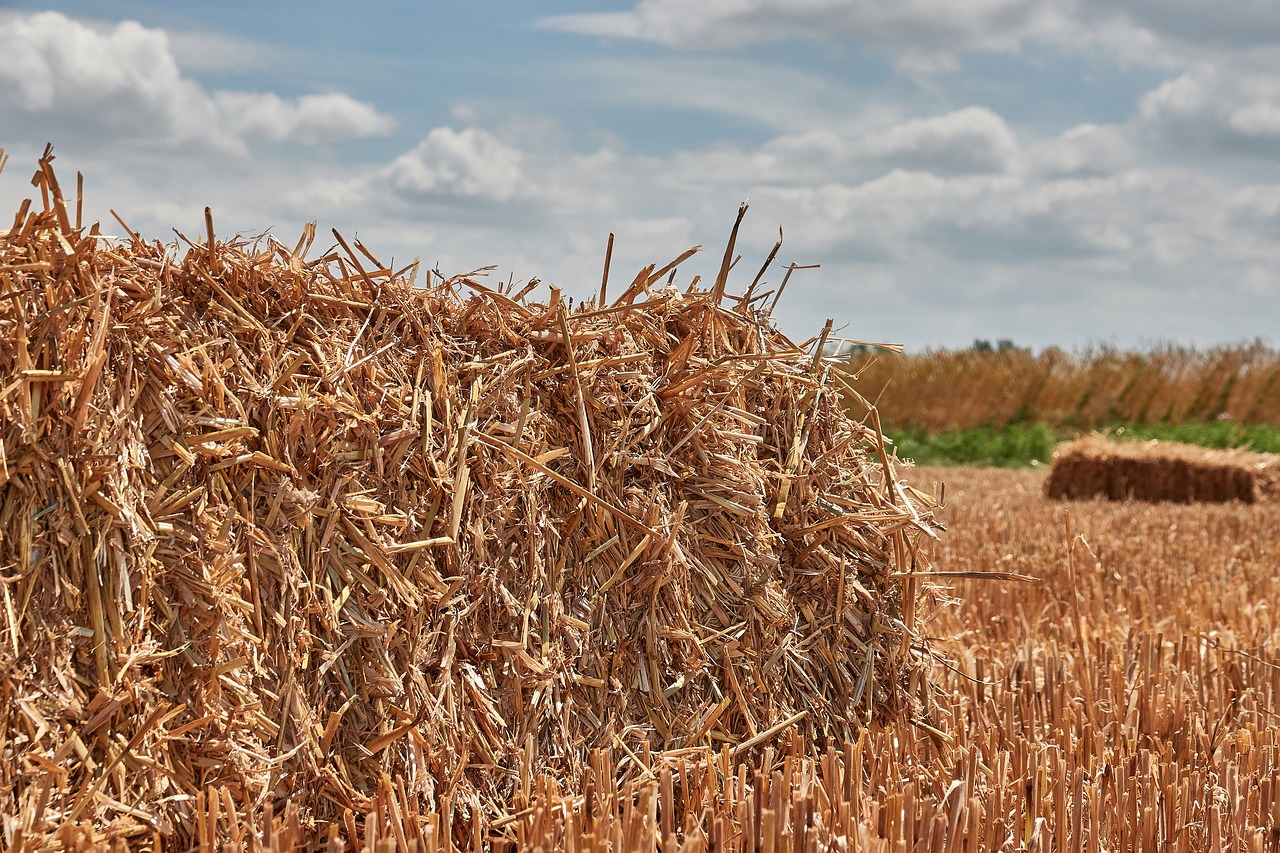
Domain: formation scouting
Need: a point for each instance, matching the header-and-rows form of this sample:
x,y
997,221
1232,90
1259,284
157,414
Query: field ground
x,y
1128,698
1123,700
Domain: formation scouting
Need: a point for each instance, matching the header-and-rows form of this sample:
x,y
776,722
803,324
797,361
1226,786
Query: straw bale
x,y
288,532
1095,466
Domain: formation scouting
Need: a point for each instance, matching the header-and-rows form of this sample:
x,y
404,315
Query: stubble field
x,y
1111,684
1124,700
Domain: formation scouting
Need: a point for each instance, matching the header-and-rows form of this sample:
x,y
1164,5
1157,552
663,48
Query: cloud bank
x,y
125,81
936,220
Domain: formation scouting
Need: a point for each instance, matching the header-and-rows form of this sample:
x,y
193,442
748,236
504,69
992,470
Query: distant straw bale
x,y
277,530
1161,471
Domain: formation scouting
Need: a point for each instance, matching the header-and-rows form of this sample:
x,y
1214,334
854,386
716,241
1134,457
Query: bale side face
x,y
1160,471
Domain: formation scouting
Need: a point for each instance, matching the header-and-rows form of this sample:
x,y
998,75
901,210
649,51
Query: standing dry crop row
x,y
1087,389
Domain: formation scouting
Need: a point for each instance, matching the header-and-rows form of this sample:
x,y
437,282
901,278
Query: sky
x,y
1053,172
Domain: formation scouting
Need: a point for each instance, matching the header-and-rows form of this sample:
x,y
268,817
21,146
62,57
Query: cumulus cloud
x,y
471,163
1086,150
996,245
50,61
309,119
1217,104
974,139
900,200
922,254
125,81
933,221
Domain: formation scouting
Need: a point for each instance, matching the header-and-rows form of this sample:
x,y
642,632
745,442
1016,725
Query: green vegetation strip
x,y
1013,446
1261,438
1022,445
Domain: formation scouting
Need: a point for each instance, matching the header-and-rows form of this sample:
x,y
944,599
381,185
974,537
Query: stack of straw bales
x,y
1161,471
287,531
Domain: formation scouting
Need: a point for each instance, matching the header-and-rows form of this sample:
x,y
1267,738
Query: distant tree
x,y
1001,345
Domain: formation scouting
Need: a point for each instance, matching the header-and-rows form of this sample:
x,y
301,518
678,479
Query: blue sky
x,y
1052,172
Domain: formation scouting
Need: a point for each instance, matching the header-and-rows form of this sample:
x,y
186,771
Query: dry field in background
x,y
960,389
1127,700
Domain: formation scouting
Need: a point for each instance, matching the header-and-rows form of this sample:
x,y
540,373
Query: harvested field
x,y
1095,466
1131,696
1124,701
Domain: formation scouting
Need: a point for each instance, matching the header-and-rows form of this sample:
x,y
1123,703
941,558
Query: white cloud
x,y
1075,215
1074,233
472,163
53,60
926,25
1258,118
309,119
211,51
973,139
1001,218
1217,104
931,36
124,81
1087,150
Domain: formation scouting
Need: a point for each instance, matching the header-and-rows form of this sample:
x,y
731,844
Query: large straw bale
x,y
1095,466
277,530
